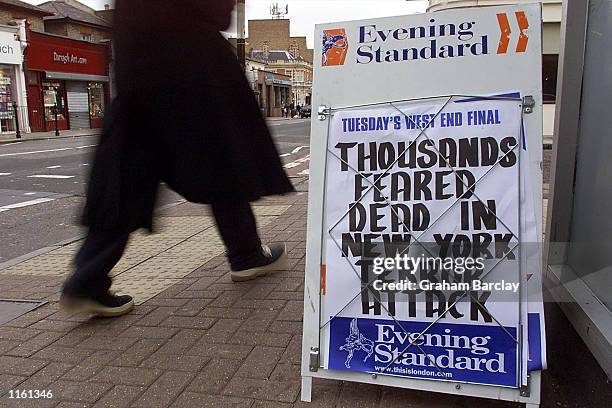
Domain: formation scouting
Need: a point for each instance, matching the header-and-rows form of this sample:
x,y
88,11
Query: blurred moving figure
x,y
184,114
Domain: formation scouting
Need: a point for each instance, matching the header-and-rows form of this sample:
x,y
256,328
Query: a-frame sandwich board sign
x,y
427,147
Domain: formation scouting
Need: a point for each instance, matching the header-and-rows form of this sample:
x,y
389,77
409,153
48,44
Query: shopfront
x,y
11,79
275,93
68,82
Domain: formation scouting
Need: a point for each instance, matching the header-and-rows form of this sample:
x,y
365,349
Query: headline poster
x,y
422,275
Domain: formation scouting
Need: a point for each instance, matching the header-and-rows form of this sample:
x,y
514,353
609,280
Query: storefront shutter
x,y
78,104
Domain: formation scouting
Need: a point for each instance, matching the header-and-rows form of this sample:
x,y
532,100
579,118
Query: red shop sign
x,y
51,53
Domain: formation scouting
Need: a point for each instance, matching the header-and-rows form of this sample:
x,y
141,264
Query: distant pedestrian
x,y
174,120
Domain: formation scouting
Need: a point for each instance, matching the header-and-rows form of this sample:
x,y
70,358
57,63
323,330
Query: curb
x,y
53,247
27,139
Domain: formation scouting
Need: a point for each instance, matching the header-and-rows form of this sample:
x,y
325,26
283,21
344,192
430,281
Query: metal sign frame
x,y
311,367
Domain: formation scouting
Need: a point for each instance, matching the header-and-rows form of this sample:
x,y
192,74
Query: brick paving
x,y
202,341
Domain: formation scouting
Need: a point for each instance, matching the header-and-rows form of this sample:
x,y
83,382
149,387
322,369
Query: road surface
x,y
42,185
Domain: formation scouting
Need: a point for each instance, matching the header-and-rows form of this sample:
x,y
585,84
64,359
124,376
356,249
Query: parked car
x,y
305,112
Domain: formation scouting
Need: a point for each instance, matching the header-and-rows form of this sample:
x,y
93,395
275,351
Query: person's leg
x,y
87,289
247,256
238,229
94,261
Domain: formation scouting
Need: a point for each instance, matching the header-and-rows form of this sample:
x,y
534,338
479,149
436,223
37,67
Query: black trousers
x,y
103,249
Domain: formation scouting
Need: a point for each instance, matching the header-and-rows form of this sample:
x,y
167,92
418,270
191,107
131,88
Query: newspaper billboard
x,y
427,149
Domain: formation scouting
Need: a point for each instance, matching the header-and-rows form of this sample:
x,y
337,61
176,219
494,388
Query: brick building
x,y
270,41
107,14
73,19
274,34
15,10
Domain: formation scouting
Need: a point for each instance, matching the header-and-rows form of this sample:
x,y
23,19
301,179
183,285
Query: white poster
x,y
421,240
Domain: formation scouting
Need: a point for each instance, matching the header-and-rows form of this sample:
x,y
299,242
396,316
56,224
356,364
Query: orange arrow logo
x,y
504,27
523,24
504,38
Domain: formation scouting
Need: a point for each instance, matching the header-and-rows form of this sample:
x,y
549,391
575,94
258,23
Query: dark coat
x,y
184,114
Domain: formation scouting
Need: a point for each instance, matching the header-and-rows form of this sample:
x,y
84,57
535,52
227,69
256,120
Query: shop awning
x,y
76,77
276,81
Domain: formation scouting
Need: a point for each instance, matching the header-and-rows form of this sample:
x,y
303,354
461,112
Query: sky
x,y
304,14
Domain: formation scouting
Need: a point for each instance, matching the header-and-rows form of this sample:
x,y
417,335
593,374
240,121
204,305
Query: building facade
x,y
67,82
274,92
12,78
270,41
274,34
73,19
54,66
551,35
12,11
252,68
297,69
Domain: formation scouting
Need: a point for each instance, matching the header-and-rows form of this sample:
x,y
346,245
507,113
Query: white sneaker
x,y
274,259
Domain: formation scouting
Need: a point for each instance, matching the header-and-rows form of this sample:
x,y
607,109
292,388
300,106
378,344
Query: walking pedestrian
x,y
174,121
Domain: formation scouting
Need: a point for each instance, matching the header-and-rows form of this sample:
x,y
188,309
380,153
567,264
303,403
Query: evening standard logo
x,y
335,47
446,40
478,354
461,352
356,342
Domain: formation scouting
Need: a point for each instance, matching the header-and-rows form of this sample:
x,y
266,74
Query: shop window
x,y
53,96
96,100
6,100
550,64
277,97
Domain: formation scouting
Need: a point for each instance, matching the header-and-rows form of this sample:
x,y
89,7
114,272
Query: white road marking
x,y
46,151
5,174
304,173
51,176
297,149
298,162
85,164
26,204
294,151
54,167
30,194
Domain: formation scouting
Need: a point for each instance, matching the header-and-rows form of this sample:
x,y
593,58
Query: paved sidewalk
x,y
64,134
195,339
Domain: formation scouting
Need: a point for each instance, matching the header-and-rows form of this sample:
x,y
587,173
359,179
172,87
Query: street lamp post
x,y
241,41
